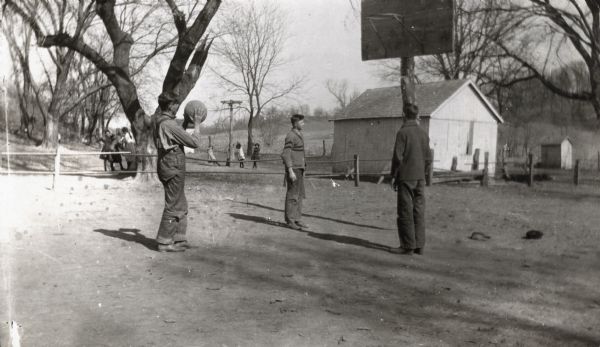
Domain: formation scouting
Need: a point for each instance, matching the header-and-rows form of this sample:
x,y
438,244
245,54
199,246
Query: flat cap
x,y
167,97
296,117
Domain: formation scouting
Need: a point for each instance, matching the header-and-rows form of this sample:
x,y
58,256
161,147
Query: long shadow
x,y
130,235
314,216
119,175
349,240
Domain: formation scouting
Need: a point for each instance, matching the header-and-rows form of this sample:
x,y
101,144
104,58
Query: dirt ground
x,y
79,266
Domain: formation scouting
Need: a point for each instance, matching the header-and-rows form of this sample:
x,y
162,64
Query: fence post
x,y
56,168
356,172
485,179
429,177
475,160
576,173
324,151
530,164
209,141
454,164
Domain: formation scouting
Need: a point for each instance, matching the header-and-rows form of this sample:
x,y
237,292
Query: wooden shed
x,y
558,154
458,117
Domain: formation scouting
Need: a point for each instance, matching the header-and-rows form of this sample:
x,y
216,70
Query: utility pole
x,y
230,103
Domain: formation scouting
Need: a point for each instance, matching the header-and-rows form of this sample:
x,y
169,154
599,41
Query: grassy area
x,y
316,130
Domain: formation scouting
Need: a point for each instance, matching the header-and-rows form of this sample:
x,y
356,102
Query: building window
x,y
470,138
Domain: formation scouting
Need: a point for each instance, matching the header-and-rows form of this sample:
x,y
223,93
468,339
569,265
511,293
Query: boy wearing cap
x,y
295,164
412,157
170,138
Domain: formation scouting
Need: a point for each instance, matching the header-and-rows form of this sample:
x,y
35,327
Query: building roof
x,y
387,102
556,141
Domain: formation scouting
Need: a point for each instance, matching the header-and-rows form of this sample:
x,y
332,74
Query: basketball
x,y
194,111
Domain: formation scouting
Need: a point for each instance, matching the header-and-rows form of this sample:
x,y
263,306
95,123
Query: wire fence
x,y
319,167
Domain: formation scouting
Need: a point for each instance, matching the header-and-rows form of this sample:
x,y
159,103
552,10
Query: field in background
x,y
316,130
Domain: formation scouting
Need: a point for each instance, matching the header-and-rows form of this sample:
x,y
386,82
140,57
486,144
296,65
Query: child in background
x,y
211,156
255,155
128,146
239,154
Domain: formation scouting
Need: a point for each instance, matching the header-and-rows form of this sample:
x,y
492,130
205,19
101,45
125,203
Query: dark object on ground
x,y
533,235
479,236
419,251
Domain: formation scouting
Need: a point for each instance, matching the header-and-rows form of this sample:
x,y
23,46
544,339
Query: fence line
x,y
62,153
355,172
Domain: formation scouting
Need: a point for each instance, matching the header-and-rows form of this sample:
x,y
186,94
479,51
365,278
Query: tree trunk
x,y
58,97
92,128
82,128
50,140
250,137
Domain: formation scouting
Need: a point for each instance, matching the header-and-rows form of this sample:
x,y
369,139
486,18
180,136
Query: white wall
x,y
566,151
449,131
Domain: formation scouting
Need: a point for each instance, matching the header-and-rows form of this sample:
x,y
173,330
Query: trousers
x,y
171,173
411,214
294,195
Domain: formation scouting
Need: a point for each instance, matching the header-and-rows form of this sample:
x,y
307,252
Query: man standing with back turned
x,y
412,157
295,164
170,138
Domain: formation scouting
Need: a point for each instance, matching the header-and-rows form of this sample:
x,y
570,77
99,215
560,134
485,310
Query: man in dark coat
x,y
411,160
170,138
295,164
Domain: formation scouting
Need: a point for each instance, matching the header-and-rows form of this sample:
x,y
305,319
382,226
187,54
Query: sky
x,y
324,44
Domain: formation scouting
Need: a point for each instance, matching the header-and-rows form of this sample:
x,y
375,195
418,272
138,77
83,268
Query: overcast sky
x,y
324,43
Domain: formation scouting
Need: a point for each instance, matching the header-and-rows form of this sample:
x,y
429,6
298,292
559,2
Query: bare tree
x,y
339,89
252,54
558,28
184,68
19,52
474,56
270,125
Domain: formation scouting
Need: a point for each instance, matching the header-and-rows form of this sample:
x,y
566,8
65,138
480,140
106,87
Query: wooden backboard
x,y
406,28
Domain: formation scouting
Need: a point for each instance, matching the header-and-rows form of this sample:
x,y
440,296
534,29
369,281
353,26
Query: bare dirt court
x,y
79,268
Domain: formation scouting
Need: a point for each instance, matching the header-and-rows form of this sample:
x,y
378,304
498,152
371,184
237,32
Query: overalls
x,y
171,173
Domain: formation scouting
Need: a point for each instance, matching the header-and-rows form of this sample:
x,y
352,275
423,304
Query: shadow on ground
x,y
313,216
130,235
323,236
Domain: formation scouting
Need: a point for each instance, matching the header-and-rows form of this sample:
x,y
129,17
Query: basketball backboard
x,y
406,28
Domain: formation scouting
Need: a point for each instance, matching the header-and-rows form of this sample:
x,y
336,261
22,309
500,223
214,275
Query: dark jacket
x,y
412,155
293,150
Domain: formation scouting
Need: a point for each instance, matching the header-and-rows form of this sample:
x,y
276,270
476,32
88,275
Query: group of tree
x,y
119,40
500,44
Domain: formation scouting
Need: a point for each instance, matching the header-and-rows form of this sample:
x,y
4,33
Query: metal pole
x,y
230,135
229,151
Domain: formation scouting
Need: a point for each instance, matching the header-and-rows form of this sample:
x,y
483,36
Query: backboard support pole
x,y
407,82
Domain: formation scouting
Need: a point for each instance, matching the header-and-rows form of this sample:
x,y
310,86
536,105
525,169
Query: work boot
x,y
183,244
400,250
293,225
301,224
170,248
